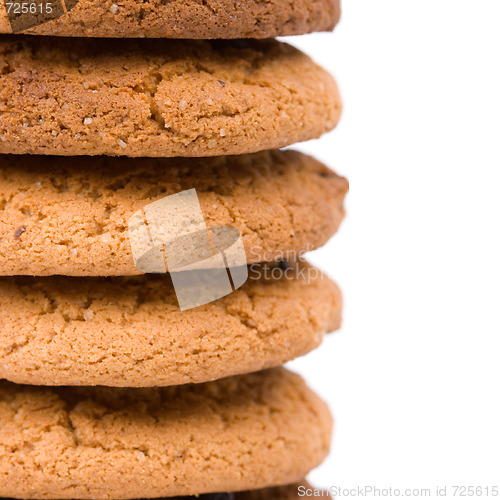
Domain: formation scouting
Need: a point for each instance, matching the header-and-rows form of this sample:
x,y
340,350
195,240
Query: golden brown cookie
x,y
129,332
252,431
179,18
70,216
159,98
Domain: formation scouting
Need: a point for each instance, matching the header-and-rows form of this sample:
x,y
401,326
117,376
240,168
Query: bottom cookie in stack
x,y
240,433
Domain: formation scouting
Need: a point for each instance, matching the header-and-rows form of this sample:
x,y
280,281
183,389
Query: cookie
x,y
70,216
252,431
195,19
159,98
129,332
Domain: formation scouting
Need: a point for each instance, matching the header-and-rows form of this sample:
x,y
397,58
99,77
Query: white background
x,y
413,377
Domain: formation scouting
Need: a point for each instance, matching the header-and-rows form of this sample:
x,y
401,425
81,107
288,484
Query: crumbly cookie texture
x,y
70,215
252,431
159,98
129,332
195,19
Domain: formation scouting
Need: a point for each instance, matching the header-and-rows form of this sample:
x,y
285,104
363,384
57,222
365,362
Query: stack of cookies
x,y
111,389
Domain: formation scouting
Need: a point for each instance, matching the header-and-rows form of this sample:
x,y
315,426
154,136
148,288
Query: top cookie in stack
x,y
195,19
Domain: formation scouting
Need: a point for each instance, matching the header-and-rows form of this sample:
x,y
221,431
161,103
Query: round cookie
x,y
159,98
195,19
70,216
253,431
129,332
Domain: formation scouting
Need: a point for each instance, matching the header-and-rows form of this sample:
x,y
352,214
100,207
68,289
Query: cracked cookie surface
x,y
159,98
70,216
252,431
195,19
129,332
